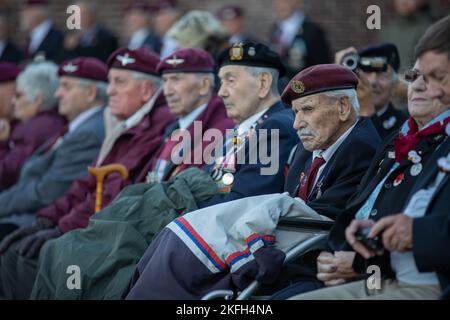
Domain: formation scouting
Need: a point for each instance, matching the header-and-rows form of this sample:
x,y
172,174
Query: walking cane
x,y
100,174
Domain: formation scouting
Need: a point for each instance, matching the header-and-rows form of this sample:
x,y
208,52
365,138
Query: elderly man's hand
x,y
5,129
397,232
335,269
30,246
350,236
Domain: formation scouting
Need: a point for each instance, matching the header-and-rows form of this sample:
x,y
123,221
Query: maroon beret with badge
x,y
319,78
9,71
86,68
141,60
187,60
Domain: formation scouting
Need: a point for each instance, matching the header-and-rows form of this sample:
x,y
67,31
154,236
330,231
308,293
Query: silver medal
x,y
416,169
228,179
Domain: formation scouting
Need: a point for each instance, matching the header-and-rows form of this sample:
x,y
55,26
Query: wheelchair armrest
x,y
299,223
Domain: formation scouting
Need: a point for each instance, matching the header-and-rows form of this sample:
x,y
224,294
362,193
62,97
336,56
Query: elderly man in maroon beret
x,y
38,119
188,76
136,100
48,174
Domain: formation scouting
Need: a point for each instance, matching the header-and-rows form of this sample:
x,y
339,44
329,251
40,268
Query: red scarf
x,y
404,144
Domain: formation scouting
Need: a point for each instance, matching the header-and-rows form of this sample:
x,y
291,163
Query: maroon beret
x,y
230,12
9,71
319,78
187,60
141,60
86,68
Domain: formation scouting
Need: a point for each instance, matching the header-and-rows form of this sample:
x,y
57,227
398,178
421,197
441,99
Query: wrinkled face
x,y
316,121
436,69
126,94
73,97
285,8
182,92
238,90
382,85
7,90
24,109
421,106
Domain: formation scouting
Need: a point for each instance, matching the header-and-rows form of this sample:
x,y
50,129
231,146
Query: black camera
x,y
373,244
354,62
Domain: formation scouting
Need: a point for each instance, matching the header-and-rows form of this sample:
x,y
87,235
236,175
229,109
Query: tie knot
x,y
318,162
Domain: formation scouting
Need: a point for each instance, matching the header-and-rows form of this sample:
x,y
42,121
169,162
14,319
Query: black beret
x,y
251,54
385,50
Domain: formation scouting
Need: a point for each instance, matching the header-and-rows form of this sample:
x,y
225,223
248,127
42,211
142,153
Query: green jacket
x,y
108,250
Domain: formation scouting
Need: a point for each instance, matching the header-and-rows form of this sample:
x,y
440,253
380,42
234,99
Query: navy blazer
x,y
248,180
51,46
342,173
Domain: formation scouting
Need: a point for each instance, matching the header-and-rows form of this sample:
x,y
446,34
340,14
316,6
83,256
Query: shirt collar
x,y
328,153
441,117
187,120
247,124
82,117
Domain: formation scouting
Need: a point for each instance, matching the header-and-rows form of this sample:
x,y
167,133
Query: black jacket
x,y
341,175
11,53
389,122
51,46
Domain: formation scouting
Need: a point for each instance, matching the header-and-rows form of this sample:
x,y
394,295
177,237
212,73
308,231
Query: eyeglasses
x,y
412,75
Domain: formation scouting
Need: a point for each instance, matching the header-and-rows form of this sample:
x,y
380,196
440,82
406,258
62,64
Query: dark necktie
x,y
307,182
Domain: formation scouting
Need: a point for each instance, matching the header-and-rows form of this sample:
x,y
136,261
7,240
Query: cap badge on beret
x,y
174,62
252,51
125,59
298,86
70,68
237,51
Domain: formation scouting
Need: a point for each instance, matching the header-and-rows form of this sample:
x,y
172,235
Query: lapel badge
x,y
414,157
390,123
391,154
251,51
302,179
416,169
298,86
237,52
228,179
398,181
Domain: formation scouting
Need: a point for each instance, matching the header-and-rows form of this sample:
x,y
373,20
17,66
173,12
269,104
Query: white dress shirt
x,y
138,38
290,26
247,124
187,120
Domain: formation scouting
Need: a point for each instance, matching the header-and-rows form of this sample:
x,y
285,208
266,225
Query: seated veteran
x,y
397,167
336,145
34,106
136,100
188,76
262,123
147,208
377,68
48,174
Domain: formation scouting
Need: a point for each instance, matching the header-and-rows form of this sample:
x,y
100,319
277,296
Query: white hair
x,y
255,72
40,79
101,88
211,77
350,93
157,81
